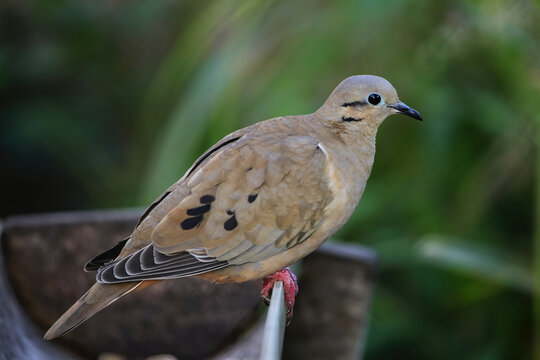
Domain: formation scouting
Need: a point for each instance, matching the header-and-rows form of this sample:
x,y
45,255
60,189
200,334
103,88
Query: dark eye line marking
x,y
355,103
347,119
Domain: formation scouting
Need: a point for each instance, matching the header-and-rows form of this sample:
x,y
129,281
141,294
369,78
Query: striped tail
x,y
96,299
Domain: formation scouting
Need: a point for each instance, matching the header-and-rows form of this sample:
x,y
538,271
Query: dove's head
x,y
364,100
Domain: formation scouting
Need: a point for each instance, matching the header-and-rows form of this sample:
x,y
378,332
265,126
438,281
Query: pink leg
x,y
290,287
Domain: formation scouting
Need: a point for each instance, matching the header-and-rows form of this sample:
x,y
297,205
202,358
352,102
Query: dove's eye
x,y
374,99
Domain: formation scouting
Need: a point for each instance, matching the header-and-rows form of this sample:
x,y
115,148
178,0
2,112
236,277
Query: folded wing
x,y
251,201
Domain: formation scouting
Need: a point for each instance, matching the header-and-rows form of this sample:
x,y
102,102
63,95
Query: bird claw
x,y
290,289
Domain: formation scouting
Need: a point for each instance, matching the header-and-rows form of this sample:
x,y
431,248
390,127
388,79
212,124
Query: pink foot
x,y
290,287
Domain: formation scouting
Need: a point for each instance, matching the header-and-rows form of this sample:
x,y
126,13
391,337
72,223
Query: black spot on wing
x,y
252,197
191,222
197,213
105,257
207,199
231,223
198,210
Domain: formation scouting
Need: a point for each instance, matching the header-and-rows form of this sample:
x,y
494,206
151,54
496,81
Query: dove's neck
x,y
351,152
354,153
352,146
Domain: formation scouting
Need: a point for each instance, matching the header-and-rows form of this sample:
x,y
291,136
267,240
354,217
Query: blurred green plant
x,y
119,99
489,264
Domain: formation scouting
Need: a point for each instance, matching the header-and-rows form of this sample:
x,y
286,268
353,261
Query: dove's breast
x,y
347,173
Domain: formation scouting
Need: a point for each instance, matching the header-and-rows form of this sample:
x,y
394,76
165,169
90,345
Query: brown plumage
x,y
259,200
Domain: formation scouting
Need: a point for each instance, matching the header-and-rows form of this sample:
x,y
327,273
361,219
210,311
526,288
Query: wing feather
x,y
265,194
246,200
179,265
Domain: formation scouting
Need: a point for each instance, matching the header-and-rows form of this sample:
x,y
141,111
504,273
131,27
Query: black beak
x,y
405,110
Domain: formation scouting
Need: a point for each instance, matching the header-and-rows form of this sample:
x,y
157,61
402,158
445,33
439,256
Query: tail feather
x,y
95,299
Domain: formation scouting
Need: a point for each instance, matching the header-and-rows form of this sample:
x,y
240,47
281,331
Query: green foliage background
x,y
105,104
